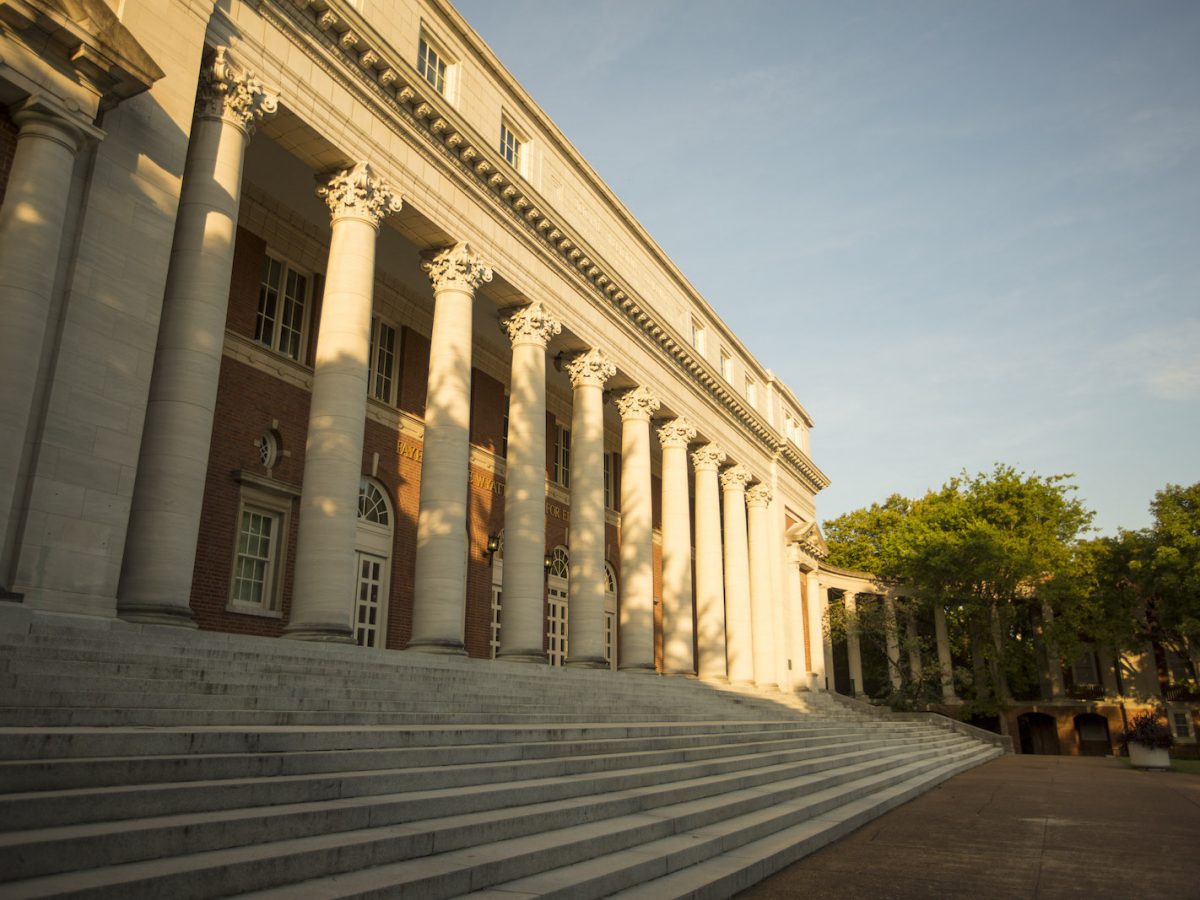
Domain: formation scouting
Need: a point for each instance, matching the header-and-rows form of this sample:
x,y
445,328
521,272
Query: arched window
x,y
610,615
373,505
556,606
560,563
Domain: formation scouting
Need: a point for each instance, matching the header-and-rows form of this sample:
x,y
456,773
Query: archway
x,y
1092,731
610,616
1038,733
372,561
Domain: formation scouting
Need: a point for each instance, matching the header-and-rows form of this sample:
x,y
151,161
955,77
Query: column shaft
x,y
739,629
710,589
822,660
636,644
678,634
915,667
164,519
853,650
31,232
758,520
892,637
521,613
945,662
585,624
323,598
440,580
780,600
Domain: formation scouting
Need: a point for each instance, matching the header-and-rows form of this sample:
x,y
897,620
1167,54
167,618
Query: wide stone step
x,y
541,819
130,769
44,809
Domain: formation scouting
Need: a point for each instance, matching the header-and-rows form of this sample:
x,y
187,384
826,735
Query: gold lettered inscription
x,y
555,511
486,482
409,451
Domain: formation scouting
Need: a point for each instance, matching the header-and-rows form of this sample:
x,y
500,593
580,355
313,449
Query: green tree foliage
x,y
998,550
1151,578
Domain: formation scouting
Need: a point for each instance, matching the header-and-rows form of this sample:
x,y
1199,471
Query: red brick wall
x,y
8,146
414,372
247,401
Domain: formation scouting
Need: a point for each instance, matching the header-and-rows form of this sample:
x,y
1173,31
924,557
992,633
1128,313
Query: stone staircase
x,y
142,761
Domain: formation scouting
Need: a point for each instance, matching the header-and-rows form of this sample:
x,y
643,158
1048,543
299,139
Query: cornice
x,y
389,82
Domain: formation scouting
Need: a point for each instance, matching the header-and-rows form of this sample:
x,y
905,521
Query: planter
x,y
1143,756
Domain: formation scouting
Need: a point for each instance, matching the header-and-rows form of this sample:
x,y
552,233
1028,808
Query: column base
x,y
638,669
438,646
523,656
155,614
714,679
11,596
767,686
324,634
691,675
588,662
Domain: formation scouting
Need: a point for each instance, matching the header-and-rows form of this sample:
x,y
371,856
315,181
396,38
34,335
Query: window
x,y
431,66
256,587
727,366
512,147
610,481
372,552
752,392
562,457
282,306
698,337
382,365
1181,723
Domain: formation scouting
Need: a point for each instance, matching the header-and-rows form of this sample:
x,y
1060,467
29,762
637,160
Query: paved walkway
x,y
1019,826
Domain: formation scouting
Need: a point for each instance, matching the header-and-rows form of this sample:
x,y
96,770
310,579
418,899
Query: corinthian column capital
x,y
530,325
735,478
232,94
457,268
759,495
710,456
359,193
591,367
638,403
676,433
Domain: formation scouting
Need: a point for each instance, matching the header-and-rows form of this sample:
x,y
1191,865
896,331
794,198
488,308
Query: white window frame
x,y
443,82
1185,733
726,366
504,425
562,456
277,328
752,392
374,374
373,540
514,146
278,509
698,336
610,481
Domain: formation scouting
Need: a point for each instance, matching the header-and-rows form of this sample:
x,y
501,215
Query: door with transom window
x,y
556,607
372,560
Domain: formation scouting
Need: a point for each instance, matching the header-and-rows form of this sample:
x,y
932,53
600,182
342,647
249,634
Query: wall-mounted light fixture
x,y
493,545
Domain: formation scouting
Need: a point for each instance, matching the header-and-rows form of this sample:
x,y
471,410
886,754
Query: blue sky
x,y
978,223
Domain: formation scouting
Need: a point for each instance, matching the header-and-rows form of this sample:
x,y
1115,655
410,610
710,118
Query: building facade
x,y
317,327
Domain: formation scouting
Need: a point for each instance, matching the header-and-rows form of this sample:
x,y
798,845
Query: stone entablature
x,y
388,82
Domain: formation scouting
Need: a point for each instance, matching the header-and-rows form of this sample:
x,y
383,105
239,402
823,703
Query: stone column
x,y
853,650
780,598
915,667
758,518
636,644
524,589
440,580
323,598
164,518
822,661
892,636
710,589
31,232
1053,661
794,592
678,634
945,662
585,624
739,628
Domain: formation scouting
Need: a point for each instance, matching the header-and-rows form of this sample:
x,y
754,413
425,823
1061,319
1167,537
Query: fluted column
x,y
636,644
853,650
758,520
710,588
31,230
585,625
892,639
739,628
780,605
794,592
522,621
323,599
440,580
164,519
945,661
678,635
822,660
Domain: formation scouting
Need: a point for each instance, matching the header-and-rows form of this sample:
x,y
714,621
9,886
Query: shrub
x,y
1145,728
